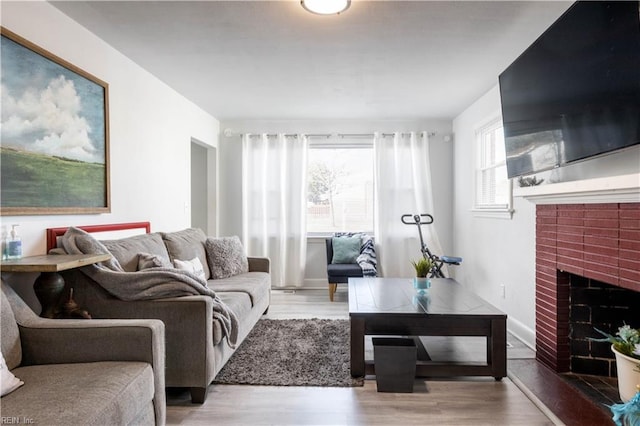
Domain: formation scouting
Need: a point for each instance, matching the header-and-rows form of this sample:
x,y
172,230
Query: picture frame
x,y
54,137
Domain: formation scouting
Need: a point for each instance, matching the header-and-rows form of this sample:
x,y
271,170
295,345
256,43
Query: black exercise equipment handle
x,y
417,219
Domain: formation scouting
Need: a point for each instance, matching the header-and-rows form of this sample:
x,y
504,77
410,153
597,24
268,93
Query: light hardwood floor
x,y
464,401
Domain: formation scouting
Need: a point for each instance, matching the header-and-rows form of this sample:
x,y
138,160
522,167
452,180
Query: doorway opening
x,y
204,187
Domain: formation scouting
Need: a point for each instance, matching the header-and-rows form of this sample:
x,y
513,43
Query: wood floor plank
x,y
485,402
477,401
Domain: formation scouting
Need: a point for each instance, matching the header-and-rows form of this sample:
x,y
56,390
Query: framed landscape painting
x,y
54,134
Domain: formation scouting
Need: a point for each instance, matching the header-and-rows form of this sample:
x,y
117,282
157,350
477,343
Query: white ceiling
x,y
273,60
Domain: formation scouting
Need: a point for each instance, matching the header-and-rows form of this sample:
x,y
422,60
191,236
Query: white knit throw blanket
x,y
152,283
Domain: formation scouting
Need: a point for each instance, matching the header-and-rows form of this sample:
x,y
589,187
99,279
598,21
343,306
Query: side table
x,y
49,285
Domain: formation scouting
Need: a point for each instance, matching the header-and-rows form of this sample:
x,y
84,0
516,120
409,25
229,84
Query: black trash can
x,y
395,363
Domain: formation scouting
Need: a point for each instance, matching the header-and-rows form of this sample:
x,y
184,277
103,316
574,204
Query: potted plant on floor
x,y
626,347
423,268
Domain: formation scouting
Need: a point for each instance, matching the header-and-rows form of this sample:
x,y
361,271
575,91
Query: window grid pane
x,y
492,184
340,189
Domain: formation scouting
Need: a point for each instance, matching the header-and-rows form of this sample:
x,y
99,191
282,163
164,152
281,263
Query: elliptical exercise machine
x,y
437,261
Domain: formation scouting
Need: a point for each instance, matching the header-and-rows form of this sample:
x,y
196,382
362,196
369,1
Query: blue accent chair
x,y
339,273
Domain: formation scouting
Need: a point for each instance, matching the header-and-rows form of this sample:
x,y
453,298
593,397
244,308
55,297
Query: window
x,y
340,187
493,188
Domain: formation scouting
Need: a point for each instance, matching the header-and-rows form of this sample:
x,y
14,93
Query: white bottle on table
x,y
14,245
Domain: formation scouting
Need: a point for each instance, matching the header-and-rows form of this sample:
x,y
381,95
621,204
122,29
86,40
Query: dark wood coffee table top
x,y
392,307
397,296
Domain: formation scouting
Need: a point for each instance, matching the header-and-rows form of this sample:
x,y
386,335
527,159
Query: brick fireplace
x,y
589,253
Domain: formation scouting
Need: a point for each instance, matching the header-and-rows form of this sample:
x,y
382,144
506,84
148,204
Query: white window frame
x,y
345,143
500,211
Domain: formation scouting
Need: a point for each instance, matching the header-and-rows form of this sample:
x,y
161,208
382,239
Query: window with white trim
x,y
339,187
493,189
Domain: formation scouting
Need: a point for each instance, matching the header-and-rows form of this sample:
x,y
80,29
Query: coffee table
x,y
391,306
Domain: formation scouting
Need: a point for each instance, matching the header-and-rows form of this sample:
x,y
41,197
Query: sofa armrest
x,y
47,341
189,331
259,264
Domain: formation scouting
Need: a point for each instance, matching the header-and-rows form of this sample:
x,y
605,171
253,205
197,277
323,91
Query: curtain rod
x,y
340,135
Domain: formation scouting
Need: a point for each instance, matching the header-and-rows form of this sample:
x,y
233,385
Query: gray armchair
x,y
90,372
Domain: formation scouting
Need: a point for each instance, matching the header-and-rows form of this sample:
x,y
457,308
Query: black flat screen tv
x,y
575,92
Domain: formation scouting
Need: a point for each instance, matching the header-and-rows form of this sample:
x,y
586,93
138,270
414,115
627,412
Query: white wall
x,y
500,252
151,129
231,174
495,251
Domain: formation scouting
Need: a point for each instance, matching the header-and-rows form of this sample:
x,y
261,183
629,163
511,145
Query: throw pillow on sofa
x,y
194,266
226,257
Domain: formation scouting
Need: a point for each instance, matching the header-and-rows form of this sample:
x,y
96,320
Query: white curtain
x,y
402,186
274,203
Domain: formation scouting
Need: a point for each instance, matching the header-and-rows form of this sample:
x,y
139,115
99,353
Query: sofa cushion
x,y
126,250
187,244
11,346
226,257
239,303
255,284
98,393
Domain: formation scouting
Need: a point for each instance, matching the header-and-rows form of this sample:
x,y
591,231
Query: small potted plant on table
x,y
423,267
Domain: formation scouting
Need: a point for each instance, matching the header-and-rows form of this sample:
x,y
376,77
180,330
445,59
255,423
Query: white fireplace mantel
x,y
615,189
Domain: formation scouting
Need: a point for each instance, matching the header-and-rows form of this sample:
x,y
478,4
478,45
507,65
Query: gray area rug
x,y
311,352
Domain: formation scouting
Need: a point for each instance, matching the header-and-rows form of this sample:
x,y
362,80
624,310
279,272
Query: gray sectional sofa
x,y
196,348
79,372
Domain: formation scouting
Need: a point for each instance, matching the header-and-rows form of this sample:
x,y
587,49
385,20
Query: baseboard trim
x,y
522,332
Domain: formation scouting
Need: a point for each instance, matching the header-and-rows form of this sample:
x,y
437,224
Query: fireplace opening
x,y
594,304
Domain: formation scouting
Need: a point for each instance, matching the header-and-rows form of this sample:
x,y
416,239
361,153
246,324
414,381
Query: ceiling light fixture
x,y
326,7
